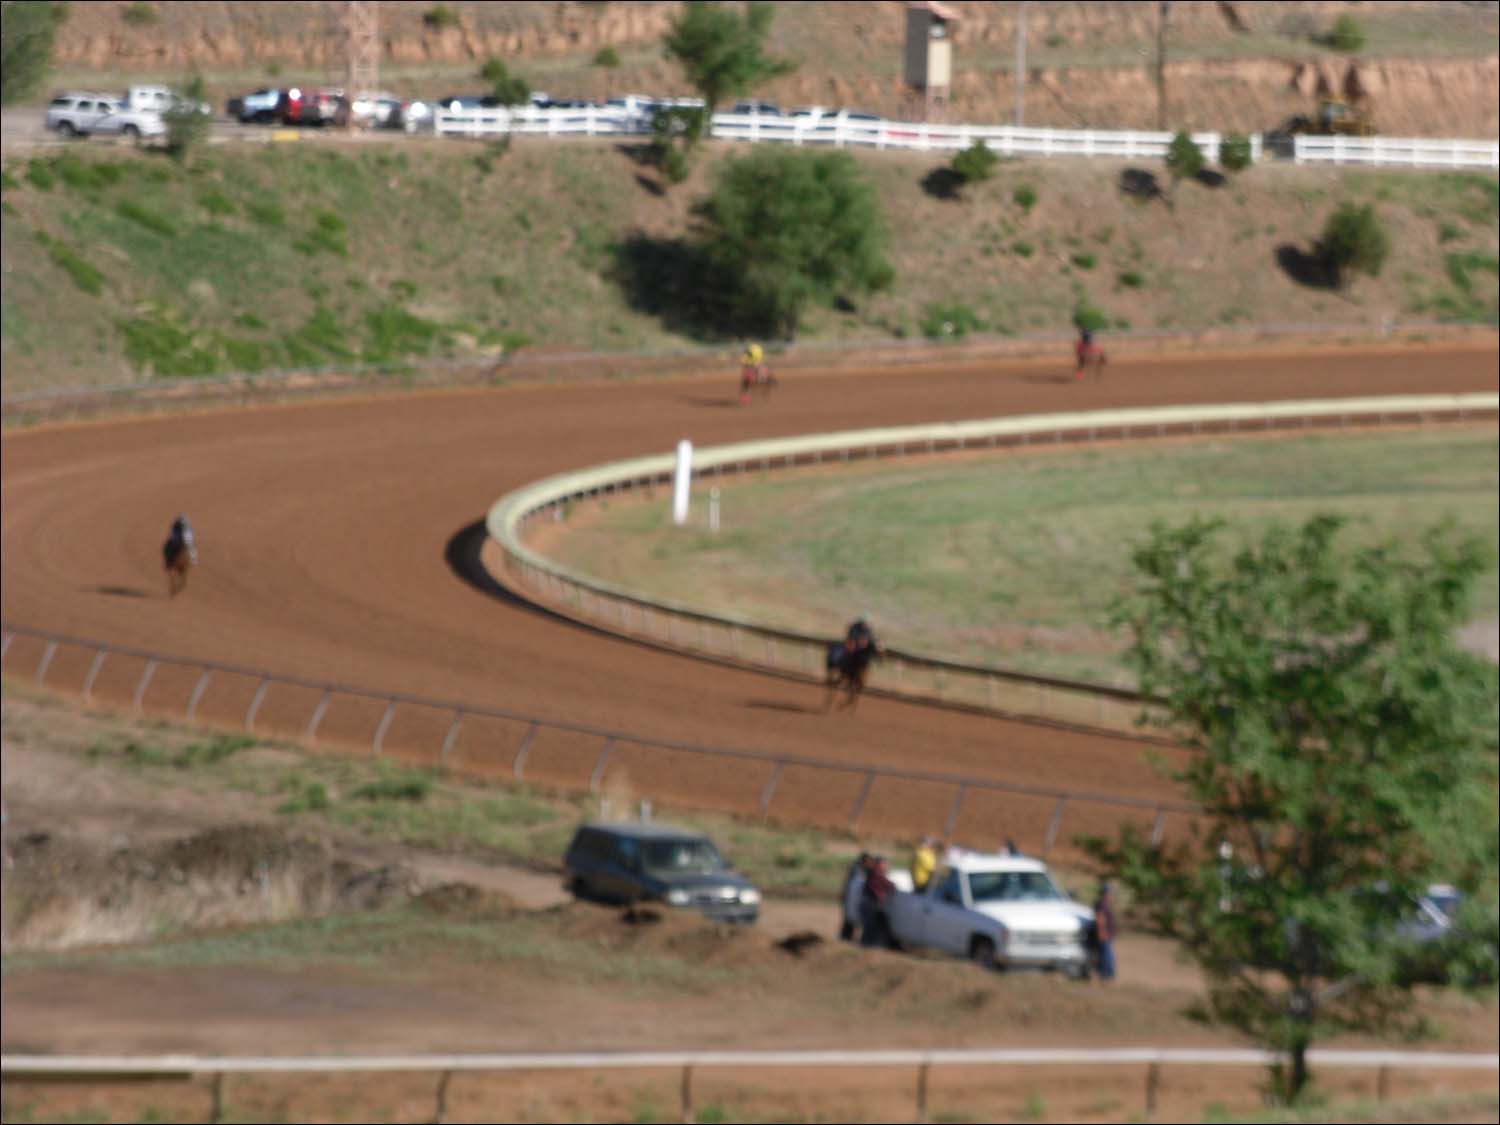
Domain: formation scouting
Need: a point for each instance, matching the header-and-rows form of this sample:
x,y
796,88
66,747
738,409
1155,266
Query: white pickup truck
x,y
1001,911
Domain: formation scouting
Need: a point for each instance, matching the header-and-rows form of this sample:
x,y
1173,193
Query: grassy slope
x,y
117,263
1016,560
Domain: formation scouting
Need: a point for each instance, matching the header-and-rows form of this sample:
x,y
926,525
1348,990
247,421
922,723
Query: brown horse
x,y
753,377
1089,355
178,557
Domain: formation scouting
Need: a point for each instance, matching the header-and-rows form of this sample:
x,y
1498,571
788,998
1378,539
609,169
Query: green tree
x,y
975,163
792,228
508,88
1346,34
1184,160
723,52
1234,152
1343,756
187,121
27,30
1353,240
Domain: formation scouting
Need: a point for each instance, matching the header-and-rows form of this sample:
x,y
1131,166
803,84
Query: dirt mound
x,y
464,900
63,893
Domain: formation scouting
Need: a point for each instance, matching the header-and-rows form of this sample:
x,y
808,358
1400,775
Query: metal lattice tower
x,y
362,22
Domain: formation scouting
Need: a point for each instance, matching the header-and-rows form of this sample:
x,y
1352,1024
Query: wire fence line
x,y
724,636
691,1064
772,775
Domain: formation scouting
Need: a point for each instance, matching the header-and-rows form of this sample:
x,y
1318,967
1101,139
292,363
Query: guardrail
x,y
765,780
1411,152
724,636
1153,1059
863,131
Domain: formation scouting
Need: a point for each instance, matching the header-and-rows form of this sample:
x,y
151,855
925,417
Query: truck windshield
x,y
1012,886
682,855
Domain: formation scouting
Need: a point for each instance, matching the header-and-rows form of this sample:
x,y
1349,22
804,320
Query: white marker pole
x,y
713,509
682,482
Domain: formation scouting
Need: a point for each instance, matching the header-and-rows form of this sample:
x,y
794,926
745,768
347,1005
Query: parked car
x,y
158,99
261,106
757,109
1000,911
632,863
86,115
378,110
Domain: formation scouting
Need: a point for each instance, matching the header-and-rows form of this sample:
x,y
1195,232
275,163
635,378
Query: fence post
x,y
922,1091
958,803
451,738
88,681
311,733
1053,825
1153,1080
378,743
859,801
598,775
140,688
47,654
518,767
770,790
687,1094
216,1104
260,694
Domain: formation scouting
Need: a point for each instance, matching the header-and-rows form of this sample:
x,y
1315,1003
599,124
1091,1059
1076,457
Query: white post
x,y
713,506
682,482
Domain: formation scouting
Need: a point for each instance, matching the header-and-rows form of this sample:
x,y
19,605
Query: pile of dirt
x,y
63,893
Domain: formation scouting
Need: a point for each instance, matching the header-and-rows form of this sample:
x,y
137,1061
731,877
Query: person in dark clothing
x,y
1104,933
853,894
873,930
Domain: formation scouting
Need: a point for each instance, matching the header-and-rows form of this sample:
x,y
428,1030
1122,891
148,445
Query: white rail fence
x,y
1006,140
724,636
97,1068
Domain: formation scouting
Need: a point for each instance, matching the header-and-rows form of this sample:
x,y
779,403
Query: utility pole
x,y
1163,11
1021,65
362,24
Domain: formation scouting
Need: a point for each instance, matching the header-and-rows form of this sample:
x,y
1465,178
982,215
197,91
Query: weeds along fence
x,y
1148,1063
841,131
464,738
724,636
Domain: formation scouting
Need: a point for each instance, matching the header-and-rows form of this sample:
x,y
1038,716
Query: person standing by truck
x,y
874,930
1104,933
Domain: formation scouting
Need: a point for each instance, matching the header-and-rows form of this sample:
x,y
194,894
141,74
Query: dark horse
x,y
179,555
1089,354
848,668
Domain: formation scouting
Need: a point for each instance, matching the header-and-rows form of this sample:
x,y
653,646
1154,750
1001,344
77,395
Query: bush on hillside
x,y
976,163
1354,241
27,31
1346,34
1184,160
607,57
1025,197
1234,152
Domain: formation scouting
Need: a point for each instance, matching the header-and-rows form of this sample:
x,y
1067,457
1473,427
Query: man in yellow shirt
x,y
924,863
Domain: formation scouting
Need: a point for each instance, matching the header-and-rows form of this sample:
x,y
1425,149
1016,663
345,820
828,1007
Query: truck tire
x,y
65,129
131,133
982,953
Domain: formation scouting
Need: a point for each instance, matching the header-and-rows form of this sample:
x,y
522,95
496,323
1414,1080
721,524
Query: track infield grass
x,y
1014,559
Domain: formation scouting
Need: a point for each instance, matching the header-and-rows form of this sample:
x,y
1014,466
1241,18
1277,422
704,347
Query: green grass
x,y
1015,560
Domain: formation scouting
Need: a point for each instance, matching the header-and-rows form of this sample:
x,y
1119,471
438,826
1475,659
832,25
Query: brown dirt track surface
x,y
324,530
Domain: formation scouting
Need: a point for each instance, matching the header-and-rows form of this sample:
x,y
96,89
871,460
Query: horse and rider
x,y
754,374
179,554
848,663
1089,353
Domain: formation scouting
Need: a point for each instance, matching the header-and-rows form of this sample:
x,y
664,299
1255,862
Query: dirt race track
x,y
329,531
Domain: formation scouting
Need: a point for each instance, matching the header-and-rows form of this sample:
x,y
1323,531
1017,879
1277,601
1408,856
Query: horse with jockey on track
x,y
754,374
179,554
848,663
1089,353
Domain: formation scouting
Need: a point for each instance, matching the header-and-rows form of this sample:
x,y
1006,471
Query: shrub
x,y
949,320
395,786
39,175
7,181
215,202
1129,279
1234,152
1346,34
607,57
140,13
1448,232
975,163
312,798
508,88
1087,316
187,124
1354,240
85,276
266,213
1025,197
156,224
1184,159
26,34
87,176
674,164
1024,249
1084,261
440,16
